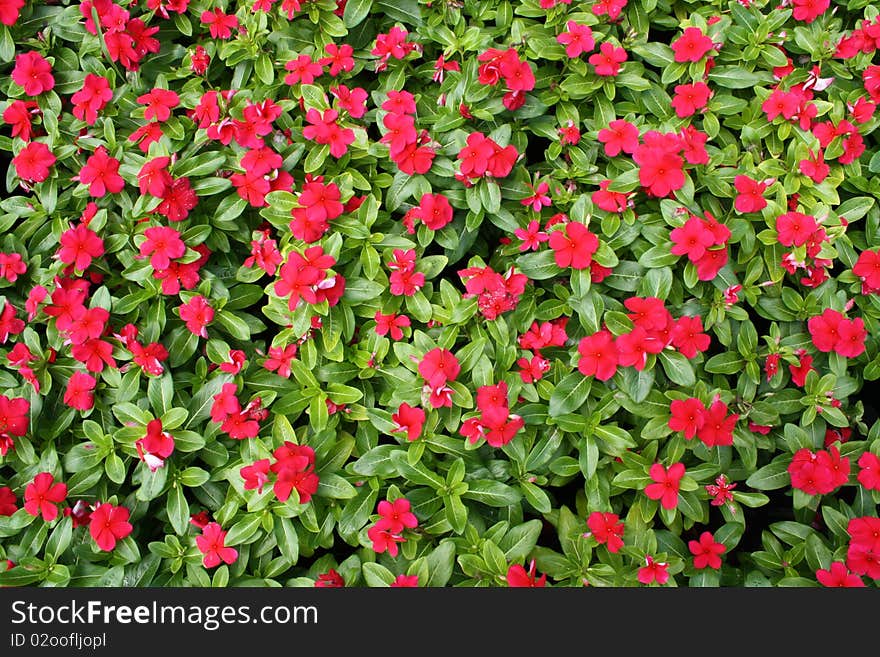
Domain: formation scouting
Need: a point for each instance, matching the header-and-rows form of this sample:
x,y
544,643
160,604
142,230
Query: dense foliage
x,y
447,293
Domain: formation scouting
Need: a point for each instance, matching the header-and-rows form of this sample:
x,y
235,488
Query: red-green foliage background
x,y
586,444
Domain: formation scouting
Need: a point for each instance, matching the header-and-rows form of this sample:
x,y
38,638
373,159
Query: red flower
x,y
574,245
391,323
607,529
799,372
692,45
434,211
620,135
163,244
8,501
533,369
156,446
607,61
852,334
869,472
721,492
405,581
687,416
108,524
653,571
610,8
101,174
219,23
598,355
323,129
660,170
809,10
255,475
838,575
707,552
33,162
197,313
518,577
831,331
749,196
795,228
532,236
666,483
13,420
79,393
154,178
396,516
11,266
199,60
42,494
302,70
18,114
92,98
688,336
569,134
79,246
339,58
717,428
814,167
867,268
577,40
781,102
690,98
438,366
10,11
410,419
211,544
33,73
818,473
329,580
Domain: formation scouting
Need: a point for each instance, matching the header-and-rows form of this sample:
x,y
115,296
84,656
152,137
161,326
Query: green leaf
x,y
492,493
287,539
355,12
244,530
519,541
178,510
405,11
569,394
772,476
735,77
678,368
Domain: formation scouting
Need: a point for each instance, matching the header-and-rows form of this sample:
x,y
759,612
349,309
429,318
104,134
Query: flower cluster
x,y
292,467
387,532
819,472
495,423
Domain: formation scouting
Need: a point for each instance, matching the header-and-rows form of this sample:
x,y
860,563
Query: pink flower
x,y
197,313
410,419
653,571
101,174
666,483
33,73
692,45
34,162
690,98
707,552
109,524
574,245
163,245
577,40
607,61
438,366
79,393
212,545
42,494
